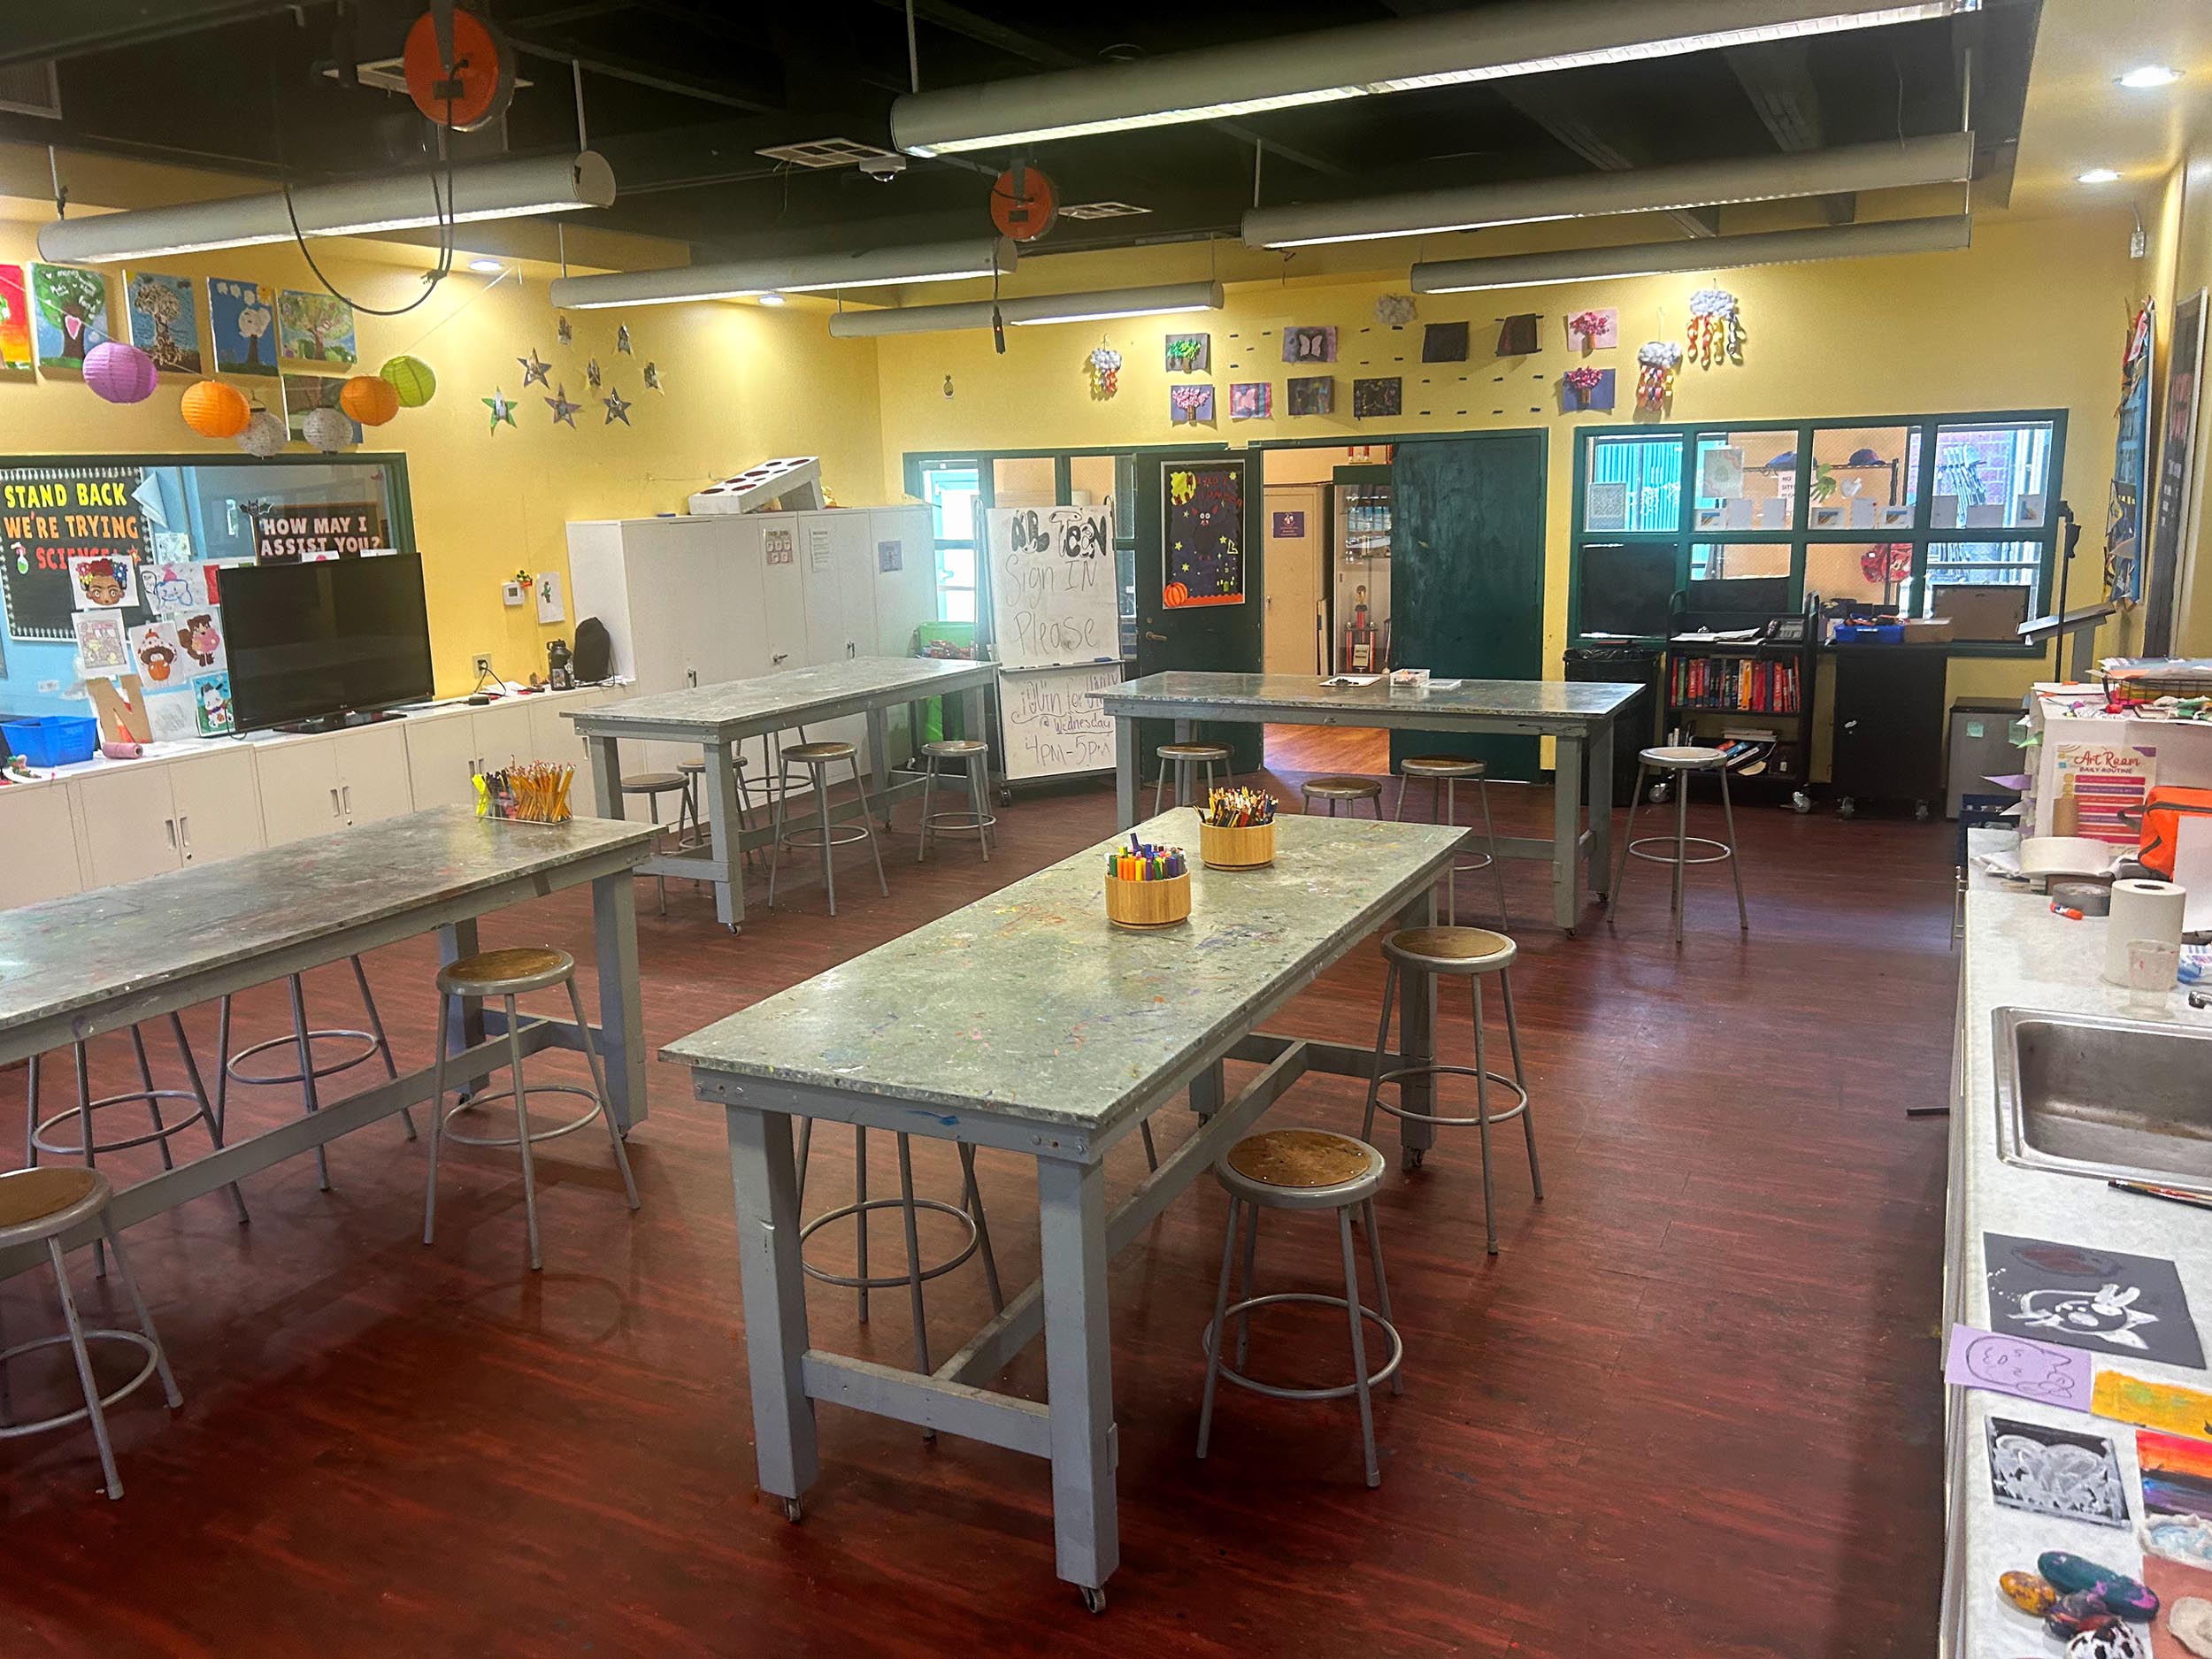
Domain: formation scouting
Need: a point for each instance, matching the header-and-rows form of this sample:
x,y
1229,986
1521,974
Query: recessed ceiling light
x,y
486,264
2096,175
2150,75
771,299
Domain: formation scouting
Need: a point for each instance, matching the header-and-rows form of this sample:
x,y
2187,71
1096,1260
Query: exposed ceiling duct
x,y
1716,253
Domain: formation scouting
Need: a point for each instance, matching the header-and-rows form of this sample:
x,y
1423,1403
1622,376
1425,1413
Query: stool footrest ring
x,y
1721,850
1511,1086
1389,1368
887,1281
156,1096
474,1101
136,1339
958,821
280,1079
809,836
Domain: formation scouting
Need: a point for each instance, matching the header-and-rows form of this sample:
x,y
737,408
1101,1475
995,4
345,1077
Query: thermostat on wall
x,y
514,593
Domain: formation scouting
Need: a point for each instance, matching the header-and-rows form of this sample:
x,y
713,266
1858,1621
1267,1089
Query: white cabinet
x,y
372,776
299,788
217,803
140,820
553,735
442,758
503,733
39,830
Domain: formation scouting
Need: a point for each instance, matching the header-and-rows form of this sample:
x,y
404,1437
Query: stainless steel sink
x,y
2111,1098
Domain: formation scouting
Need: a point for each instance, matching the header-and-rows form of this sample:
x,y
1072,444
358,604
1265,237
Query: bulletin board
x,y
49,514
1201,544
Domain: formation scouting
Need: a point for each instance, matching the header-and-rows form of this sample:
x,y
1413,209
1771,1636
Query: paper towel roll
x,y
2140,909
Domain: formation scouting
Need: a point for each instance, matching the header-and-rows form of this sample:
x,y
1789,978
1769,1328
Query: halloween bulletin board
x,y
1202,546
50,515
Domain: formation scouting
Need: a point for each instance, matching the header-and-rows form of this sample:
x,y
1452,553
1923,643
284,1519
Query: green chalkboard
x,y
49,514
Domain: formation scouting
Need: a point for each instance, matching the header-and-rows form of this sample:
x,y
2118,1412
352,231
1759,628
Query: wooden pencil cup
x,y
1236,847
1160,904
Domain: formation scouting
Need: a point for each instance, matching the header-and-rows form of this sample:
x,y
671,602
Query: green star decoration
x,y
564,411
534,371
502,410
617,410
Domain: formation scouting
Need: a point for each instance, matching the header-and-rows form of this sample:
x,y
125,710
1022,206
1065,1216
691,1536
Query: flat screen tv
x,y
312,642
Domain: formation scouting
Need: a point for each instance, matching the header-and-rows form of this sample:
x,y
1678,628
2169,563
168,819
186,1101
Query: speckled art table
x,y
1025,1023
1578,715
73,967
719,717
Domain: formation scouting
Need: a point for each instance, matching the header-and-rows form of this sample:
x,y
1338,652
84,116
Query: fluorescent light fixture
x,y
2096,175
771,299
2150,75
1528,38
1947,158
486,264
1100,306
804,274
1710,253
494,190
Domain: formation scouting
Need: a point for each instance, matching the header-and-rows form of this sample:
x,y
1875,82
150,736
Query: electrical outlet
x,y
481,663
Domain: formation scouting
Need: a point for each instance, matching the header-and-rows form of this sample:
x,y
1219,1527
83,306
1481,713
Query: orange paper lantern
x,y
215,411
370,399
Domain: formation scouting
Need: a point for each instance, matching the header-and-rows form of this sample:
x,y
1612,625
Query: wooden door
x,y
1296,533
1209,612
1467,552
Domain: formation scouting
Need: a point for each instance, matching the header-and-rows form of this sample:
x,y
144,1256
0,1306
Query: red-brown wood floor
x,y
1692,1408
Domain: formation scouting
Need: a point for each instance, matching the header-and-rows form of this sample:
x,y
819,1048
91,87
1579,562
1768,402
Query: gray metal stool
x,y
1445,773
1681,762
373,1045
1471,954
969,1211
653,785
1187,758
38,1206
816,758
1345,789
973,757
1303,1169
692,772
508,975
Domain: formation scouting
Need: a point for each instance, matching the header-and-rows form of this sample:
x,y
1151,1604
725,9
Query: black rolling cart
x,y
1889,725
1754,697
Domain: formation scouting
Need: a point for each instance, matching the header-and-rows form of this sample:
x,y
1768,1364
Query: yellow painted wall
x,y
743,383
2033,316
2181,247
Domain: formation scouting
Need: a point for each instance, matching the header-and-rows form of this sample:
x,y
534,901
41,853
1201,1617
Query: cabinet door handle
x,y
170,825
334,804
692,674
184,830
780,656
347,793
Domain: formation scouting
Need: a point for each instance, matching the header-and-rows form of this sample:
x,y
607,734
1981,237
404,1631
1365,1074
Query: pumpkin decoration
x,y
370,399
215,410
1175,594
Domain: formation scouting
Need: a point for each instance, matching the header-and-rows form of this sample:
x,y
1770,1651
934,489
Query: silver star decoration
x,y
564,411
617,410
591,374
563,332
534,373
622,338
653,378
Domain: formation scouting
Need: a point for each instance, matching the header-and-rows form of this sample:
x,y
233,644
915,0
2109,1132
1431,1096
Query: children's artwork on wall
x,y
15,321
1594,330
1444,342
564,331
622,339
502,407
69,315
1104,368
535,370
1190,405
619,407
100,645
1657,361
1716,328
653,381
592,375
165,321
173,718
1720,470
2056,1472
1517,334
154,648
2176,1478
564,411
1583,387
244,315
1394,311
1310,345
303,393
890,557
316,328
1312,395
200,641
2107,1301
1374,399
1190,354
172,588
102,581
1201,548
1251,400
551,607
210,696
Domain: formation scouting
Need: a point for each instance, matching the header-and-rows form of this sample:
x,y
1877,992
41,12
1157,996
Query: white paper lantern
x,y
264,435
329,430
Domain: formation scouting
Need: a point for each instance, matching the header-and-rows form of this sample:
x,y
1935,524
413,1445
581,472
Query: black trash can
x,y
1636,726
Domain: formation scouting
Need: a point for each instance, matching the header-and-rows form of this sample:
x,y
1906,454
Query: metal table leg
x,y
1601,798
1417,1040
464,1025
775,1303
1079,1374
727,832
1566,830
603,760
621,1014
1125,772
880,761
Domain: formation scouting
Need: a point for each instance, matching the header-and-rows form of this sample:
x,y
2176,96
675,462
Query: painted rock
x,y
2111,1642
2191,1625
2074,1614
2127,1598
2031,1594
2069,1573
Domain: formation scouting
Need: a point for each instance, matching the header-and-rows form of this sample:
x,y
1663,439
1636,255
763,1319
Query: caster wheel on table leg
x,y
1847,808
1094,1599
1800,802
794,1510
1920,812
1412,1160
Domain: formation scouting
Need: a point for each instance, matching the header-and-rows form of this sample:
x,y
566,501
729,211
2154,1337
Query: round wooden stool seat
x,y
1343,788
652,782
1456,950
814,753
507,972
1682,758
960,747
1441,766
1193,751
1296,1166
41,1203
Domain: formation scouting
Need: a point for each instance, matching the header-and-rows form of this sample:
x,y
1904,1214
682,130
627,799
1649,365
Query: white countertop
x,y
2017,953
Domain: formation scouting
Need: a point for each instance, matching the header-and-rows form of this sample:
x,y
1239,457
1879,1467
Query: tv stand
x,y
323,724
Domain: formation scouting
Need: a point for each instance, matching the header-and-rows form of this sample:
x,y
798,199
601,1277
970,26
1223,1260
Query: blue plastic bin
x,y
1870,634
50,740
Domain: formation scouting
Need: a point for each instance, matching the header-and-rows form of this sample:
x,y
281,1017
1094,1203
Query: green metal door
x,y
1467,576
1199,512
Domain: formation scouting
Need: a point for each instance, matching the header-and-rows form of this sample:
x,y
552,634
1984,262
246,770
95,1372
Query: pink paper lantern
x,y
122,373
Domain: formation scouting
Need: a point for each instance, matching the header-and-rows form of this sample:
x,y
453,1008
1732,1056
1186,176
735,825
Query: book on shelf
x,y
1738,684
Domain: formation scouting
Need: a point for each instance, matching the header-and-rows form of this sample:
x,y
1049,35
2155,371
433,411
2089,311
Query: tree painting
x,y
242,313
70,305
316,327
163,323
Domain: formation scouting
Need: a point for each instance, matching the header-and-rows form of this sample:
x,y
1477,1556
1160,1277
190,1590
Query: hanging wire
x,y
913,52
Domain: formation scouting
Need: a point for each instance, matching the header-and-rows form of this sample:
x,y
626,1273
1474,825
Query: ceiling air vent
x,y
825,152
31,90
1102,210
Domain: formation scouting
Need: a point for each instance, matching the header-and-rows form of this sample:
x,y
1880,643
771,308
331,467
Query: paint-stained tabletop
x,y
1028,1004
788,698
1571,702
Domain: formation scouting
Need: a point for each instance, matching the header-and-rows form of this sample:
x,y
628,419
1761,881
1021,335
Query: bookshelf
x,y
1754,697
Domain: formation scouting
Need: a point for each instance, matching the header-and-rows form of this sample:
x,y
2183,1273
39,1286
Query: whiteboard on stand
x,y
1056,626
1051,725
